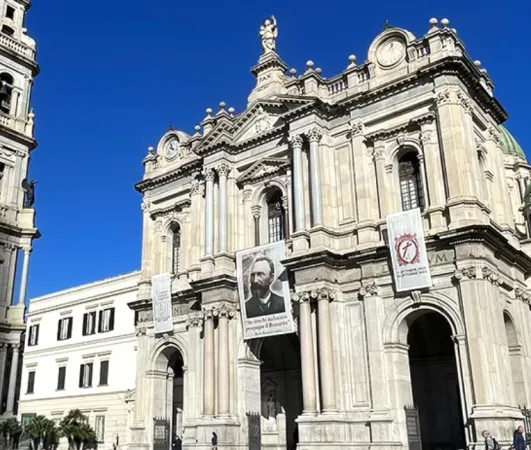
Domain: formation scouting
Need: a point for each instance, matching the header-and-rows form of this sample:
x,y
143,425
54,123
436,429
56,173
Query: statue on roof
x,y
269,34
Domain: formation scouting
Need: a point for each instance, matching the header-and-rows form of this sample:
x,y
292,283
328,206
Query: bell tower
x,y
17,191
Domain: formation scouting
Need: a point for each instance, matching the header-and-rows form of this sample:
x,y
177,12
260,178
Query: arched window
x,y
175,248
276,217
6,89
411,191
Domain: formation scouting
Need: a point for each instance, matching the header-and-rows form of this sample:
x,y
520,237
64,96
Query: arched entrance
x,y
168,390
281,391
435,381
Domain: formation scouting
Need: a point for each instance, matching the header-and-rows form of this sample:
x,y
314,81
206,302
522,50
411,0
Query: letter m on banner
x,y
411,269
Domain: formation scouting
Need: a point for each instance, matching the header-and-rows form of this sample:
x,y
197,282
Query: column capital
x,y
15,347
314,135
197,187
314,295
256,210
225,311
357,128
140,330
369,290
491,275
493,134
223,170
296,141
378,151
522,295
146,205
465,272
27,249
209,175
3,347
194,320
209,314
426,137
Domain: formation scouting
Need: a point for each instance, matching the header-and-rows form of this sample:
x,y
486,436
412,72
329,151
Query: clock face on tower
x,y
390,52
172,148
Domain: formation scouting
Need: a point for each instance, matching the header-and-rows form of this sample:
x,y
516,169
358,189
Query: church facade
x,y
319,164
17,214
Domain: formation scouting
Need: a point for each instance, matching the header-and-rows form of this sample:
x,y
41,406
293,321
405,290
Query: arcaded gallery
x,y
344,263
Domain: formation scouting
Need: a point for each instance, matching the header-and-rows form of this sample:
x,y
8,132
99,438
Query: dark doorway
x,y
281,390
435,382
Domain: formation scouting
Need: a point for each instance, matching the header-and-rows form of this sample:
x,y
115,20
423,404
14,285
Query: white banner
x,y
263,288
161,299
411,269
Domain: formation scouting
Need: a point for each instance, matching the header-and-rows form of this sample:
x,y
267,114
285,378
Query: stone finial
x,y
483,71
208,114
197,130
293,72
151,150
309,65
318,71
222,106
433,25
231,111
352,61
445,22
477,63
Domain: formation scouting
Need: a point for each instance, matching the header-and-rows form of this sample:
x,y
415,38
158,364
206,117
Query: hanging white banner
x,y
161,299
411,268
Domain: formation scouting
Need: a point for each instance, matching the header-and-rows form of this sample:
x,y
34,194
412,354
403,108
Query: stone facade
x,y
320,162
17,216
67,331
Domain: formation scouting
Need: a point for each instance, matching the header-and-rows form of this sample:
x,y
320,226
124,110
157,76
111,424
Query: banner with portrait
x,y
263,289
411,269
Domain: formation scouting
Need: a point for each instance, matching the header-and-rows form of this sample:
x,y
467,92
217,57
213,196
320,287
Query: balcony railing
x,y
17,46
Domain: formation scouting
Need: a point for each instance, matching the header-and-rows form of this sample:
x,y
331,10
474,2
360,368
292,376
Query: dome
x,y
509,145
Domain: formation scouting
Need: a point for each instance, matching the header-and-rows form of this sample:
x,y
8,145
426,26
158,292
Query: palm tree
x,y
10,430
76,429
42,432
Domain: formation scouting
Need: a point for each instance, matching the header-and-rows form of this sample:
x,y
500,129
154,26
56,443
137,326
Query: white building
x,y
81,353
17,216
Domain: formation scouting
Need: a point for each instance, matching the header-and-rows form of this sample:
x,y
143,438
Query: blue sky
x,y
115,73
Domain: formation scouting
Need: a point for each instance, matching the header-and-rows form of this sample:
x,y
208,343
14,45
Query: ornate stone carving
x,y
314,135
263,121
491,275
494,134
464,101
15,347
246,195
296,141
223,170
194,320
256,211
401,139
269,34
369,290
140,330
443,97
468,272
522,295
301,297
426,137
263,169
226,312
210,313
356,127
209,175
378,152
197,187
145,205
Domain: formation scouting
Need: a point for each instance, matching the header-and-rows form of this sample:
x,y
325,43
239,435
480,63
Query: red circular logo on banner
x,y
407,249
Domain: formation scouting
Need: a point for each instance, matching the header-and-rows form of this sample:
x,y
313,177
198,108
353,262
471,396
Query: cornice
x,y
179,206
166,178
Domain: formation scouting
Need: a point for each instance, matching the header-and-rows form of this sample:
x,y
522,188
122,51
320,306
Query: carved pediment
x,y
261,122
264,168
177,207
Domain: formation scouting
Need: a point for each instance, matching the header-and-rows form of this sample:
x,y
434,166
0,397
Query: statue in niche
x,y
269,34
29,190
271,405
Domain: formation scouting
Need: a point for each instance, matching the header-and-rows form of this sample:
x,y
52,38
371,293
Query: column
x,y
256,211
24,278
223,172
197,189
208,365
223,361
326,357
307,359
285,205
12,381
365,183
378,154
298,185
316,196
248,223
209,212
3,355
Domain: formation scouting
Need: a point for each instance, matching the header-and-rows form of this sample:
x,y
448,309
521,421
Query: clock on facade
x,y
390,52
172,148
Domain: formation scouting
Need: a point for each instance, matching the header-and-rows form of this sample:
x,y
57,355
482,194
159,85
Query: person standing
x,y
518,439
490,442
